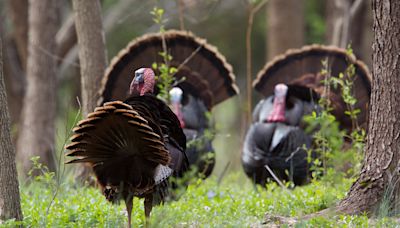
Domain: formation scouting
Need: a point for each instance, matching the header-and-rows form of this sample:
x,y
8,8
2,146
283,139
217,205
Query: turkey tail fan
x,y
303,67
120,145
195,85
199,62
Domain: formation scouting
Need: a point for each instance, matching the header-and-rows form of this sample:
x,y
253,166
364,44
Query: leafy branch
x,y
328,138
166,77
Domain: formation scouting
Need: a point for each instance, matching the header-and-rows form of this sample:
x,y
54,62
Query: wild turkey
x,y
192,116
303,68
204,76
133,146
275,138
292,86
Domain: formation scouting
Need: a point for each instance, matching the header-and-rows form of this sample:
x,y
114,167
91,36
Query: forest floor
x,y
234,202
50,200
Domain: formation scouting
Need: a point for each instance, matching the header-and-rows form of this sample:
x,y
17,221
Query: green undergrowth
x,y
233,203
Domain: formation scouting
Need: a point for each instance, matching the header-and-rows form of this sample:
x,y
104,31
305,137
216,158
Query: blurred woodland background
x,y
54,53
277,26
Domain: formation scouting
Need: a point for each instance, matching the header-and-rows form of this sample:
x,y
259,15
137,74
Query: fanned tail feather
x,y
304,67
207,73
117,139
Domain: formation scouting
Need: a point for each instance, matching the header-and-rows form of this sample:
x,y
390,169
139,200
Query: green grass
x,y
234,203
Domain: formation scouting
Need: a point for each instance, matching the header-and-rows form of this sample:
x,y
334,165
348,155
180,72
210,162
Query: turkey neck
x,y
176,106
278,110
136,90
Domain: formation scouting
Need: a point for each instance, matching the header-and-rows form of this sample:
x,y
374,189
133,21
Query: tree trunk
x,y
10,206
66,38
344,20
330,15
285,26
356,29
92,55
367,37
37,130
378,183
335,10
14,76
110,21
15,53
18,11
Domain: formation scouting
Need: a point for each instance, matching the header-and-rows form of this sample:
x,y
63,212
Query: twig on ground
x,y
277,179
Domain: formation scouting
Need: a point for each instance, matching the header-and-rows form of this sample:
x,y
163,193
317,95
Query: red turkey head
x,y
143,82
176,94
278,110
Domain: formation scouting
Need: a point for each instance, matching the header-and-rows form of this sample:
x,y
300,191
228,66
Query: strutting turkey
x,y
194,122
204,76
275,138
292,86
133,146
303,68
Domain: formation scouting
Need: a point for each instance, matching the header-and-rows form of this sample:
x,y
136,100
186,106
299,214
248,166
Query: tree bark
x,y
378,182
66,38
10,206
37,129
15,53
111,19
92,56
18,11
356,28
367,37
285,26
92,51
344,20
337,17
14,76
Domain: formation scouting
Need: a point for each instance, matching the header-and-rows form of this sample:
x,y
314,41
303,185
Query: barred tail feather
x,y
207,73
304,67
119,144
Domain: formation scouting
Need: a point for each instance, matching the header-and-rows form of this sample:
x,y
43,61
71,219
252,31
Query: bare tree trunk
x,y
367,36
111,19
92,55
66,38
37,131
335,18
10,206
18,11
332,13
378,182
356,28
285,22
14,76
344,19
15,54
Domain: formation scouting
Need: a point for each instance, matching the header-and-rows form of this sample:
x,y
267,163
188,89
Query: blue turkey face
x,y
139,76
280,90
176,95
